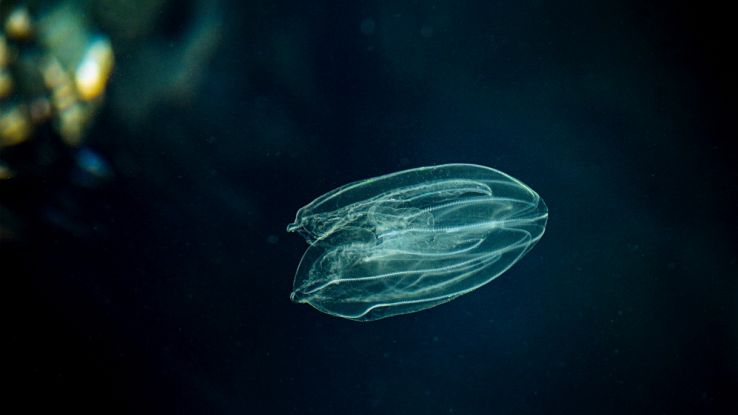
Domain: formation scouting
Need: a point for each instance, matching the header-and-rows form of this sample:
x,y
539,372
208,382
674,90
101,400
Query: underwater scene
x,y
369,207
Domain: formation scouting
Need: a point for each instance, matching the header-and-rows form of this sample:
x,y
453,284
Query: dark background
x,y
174,295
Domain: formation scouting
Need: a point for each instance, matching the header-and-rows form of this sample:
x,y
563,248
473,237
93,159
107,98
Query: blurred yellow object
x,y
72,121
4,52
64,95
18,25
15,126
6,83
93,71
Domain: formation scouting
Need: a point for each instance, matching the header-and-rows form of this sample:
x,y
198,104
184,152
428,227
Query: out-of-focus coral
x,y
56,61
54,67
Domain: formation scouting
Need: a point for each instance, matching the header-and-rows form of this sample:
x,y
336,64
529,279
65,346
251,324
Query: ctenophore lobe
x,y
411,240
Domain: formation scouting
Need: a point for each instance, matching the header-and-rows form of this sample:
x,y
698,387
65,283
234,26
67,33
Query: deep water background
x,y
621,114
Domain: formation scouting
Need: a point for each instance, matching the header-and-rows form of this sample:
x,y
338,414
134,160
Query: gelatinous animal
x,y
414,239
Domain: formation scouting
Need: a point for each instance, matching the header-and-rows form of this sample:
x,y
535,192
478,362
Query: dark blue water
x,y
175,297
